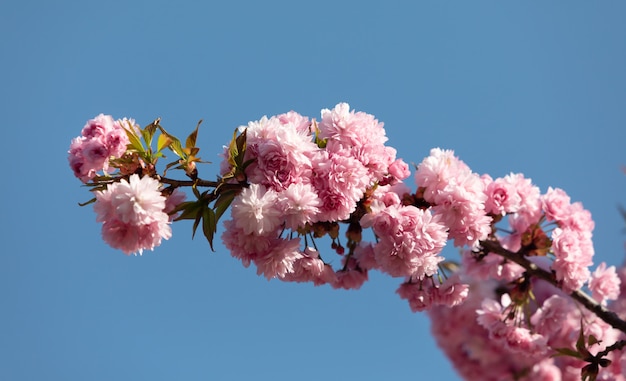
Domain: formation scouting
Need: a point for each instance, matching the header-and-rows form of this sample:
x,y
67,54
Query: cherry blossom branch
x,y
532,269
189,183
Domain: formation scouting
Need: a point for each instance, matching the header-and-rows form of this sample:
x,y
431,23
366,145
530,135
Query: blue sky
x,y
531,87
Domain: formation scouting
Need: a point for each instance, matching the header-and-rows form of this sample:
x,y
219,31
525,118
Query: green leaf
x,y
135,142
566,352
195,225
222,203
233,152
591,340
209,225
88,202
149,130
163,141
191,139
190,210
175,145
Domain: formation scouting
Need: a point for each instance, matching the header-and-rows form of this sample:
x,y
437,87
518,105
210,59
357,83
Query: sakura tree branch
x,y
532,269
189,183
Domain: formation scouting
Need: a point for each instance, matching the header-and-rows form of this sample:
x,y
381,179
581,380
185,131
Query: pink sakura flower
x,y
573,255
300,205
556,204
102,138
133,214
399,170
545,370
550,319
365,256
281,152
255,210
339,183
458,196
579,220
245,247
301,123
310,268
342,127
279,261
513,338
491,266
424,294
530,205
604,283
502,197
132,238
351,277
357,135
435,172
172,201
410,240
136,201
467,344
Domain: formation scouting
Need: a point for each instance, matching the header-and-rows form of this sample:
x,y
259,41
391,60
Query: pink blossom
x,y
556,204
102,139
99,126
604,283
340,126
280,152
579,219
424,294
399,169
530,205
136,201
457,194
279,260
131,238
491,266
351,277
410,240
300,205
255,210
245,247
357,135
172,201
502,197
550,319
309,268
299,122
435,172
133,214
365,256
513,338
573,252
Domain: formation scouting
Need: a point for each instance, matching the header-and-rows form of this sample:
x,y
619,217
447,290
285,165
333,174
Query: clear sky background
x,y
531,87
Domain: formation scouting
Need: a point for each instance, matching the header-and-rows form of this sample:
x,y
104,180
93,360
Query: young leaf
x,y
195,225
209,225
190,210
222,203
163,141
191,139
135,143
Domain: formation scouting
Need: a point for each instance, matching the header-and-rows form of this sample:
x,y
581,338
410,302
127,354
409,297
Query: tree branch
x,y
599,310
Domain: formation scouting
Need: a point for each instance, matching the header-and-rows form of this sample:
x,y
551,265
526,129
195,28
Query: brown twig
x,y
532,269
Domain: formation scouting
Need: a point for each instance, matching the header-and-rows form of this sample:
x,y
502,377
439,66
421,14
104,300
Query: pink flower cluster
x,y
409,239
572,244
492,337
456,194
134,213
102,138
302,173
